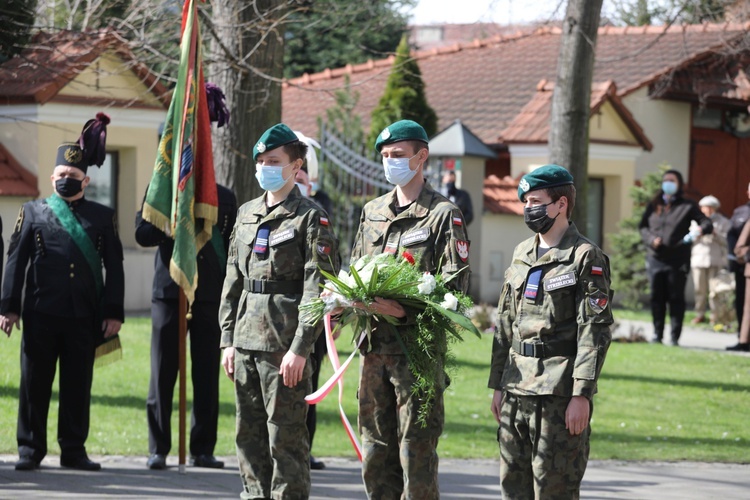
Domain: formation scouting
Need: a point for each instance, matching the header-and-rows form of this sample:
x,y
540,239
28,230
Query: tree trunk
x,y
254,101
571,100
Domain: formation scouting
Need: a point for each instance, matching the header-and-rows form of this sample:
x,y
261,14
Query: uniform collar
x,y
563,252
417,210
287,207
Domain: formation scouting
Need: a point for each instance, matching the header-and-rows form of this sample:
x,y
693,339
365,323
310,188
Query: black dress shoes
x,y
157,462
739,347
316,464
80,463
207,461
26,463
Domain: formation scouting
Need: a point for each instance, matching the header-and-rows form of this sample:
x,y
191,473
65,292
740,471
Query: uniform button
x,y
72,266
72,275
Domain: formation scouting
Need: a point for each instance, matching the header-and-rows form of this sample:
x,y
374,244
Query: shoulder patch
x,y
462,248
323,220
457,221
598,302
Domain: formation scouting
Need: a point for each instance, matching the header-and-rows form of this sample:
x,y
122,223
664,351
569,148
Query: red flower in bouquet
x,y
409,257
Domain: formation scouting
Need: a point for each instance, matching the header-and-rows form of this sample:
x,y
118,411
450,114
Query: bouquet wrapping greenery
x,y
443,315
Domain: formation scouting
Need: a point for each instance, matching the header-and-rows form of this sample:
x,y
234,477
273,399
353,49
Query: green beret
x,y
273,138
546,176
403,130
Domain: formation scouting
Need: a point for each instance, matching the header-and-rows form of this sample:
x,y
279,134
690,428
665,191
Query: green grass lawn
x,y
655,403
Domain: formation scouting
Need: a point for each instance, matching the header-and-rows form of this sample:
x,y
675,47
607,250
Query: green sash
x,y
82,240
108,350
217,241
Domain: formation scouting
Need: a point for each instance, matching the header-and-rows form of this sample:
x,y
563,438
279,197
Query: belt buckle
x,y
532,350
258,286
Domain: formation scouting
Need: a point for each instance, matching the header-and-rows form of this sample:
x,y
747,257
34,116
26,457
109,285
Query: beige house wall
x,y
500,235
32,134
471,179
667,124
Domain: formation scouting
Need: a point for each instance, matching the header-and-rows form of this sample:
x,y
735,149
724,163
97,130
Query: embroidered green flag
x,y
182,199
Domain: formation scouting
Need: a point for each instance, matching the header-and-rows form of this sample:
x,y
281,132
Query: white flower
x,y
426,284
450,302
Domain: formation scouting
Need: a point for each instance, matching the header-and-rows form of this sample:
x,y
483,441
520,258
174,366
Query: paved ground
x,y
127,477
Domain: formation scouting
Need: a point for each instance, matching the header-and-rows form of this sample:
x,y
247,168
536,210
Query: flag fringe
x,y
109,352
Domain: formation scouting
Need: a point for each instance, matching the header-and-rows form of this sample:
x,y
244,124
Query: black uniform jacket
x,y
210,272
59,281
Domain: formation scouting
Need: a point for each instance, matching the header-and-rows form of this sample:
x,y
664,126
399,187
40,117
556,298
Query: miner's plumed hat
x,y
90,149
403,130
273,138
546,176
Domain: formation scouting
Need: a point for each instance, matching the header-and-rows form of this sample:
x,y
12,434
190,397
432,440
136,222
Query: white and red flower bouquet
x,y
442,314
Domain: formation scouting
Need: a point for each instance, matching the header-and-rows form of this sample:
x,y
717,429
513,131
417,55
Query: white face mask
x,y
397,170
271,178
302,189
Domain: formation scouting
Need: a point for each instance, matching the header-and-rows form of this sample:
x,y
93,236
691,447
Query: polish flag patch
x,y
457,221
596,271
324,221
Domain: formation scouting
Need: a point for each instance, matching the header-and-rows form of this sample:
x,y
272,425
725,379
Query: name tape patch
x,y
416,236
282,236
561,281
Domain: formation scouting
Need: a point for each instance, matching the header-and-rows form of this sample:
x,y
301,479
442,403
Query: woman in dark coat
x,y
665,230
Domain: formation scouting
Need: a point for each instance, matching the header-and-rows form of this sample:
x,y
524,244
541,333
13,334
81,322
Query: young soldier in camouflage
x,y
279,243
552,334
400,458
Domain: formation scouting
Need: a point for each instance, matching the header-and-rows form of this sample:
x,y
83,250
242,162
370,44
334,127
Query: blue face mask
x,y
397,170
669,187
270,178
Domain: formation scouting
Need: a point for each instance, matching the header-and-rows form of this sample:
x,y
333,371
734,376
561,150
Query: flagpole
x,y
183,311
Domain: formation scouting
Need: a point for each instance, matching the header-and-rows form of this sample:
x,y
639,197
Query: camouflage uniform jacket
x,y
300,243
432,229
572,307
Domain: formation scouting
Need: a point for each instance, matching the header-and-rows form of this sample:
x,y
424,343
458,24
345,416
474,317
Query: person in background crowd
x,y
302,180
740,216
70,304
459,197
708,257
742,254
665,230
204,339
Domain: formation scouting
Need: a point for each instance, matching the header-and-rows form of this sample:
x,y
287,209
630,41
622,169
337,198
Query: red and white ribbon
x,y
319,395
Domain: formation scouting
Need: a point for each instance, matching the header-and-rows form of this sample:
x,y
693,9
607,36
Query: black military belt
x,y
274,286
542,350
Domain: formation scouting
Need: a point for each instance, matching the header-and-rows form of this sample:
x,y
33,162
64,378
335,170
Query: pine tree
x,y
628,260
404,97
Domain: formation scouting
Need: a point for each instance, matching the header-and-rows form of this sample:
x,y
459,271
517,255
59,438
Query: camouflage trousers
x,y
273,447
539,458
399,456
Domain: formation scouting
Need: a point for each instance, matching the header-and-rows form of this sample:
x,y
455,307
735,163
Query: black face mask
x,y
67,187
537,220
451,188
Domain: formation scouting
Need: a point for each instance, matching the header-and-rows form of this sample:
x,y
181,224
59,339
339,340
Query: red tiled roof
x,y
14,179
501,195
52,60
531,124
486,83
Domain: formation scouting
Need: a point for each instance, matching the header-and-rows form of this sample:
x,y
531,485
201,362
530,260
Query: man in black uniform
x,y
204,339
68,307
